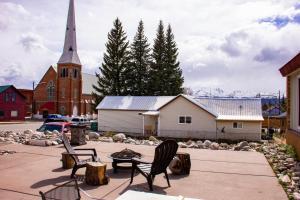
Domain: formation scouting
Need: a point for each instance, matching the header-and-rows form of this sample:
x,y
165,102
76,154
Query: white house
x,y
291,70
182,116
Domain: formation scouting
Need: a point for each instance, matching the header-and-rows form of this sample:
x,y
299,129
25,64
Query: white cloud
x,y
221,44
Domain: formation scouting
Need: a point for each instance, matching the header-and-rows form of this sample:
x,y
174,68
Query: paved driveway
x,y
216,175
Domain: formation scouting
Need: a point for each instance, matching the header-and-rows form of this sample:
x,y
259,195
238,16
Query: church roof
x,y
70,46
88,80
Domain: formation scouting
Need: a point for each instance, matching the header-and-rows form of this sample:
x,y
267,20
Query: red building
x,y
29,100
12,104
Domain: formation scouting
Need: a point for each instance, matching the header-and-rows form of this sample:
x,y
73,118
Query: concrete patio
x,y
214,174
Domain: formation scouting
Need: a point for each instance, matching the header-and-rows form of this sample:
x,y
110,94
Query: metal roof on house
x,y
134,102
234,108
222,108
4,87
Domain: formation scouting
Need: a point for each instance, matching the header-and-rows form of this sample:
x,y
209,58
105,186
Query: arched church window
x,y
75,73
64,72
50,90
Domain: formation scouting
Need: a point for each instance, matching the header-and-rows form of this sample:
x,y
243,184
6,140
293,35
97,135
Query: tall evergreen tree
x,y
157,71
139,64
112,76
174,74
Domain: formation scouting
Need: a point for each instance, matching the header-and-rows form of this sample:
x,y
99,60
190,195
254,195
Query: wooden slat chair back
x,y
79,163
164,154
69,148
69,190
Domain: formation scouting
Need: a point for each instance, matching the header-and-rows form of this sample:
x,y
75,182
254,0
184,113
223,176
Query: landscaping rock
x,y
28,132
54,143
37,143
182,145
190,142
285,179
106,139
2,139
153,139
207,143
296,196
120,137
93,135
214,146
147,142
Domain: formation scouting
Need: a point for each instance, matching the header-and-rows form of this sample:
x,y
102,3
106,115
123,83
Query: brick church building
x,y
64,89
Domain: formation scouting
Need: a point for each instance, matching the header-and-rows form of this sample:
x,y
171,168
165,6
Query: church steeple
x,y
70,55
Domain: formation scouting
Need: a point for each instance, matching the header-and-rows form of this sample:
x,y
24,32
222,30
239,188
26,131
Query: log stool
x,y
181,164
67,161
95,173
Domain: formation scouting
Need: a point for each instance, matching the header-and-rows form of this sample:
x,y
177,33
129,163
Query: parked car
x,y
51,126
80,121
55,120
51,116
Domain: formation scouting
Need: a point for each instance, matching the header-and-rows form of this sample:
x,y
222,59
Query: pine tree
x,y
112,76
174,73
157,71
139,65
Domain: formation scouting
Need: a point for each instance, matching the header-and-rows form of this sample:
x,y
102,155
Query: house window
x,y
14,113
1,113
50,90
6,98
13,97
237,125
185,119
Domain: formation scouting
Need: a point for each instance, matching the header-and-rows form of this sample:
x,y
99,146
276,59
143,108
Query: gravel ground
x,y
20,127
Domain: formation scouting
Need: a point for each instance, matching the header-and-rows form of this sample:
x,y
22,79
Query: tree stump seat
x,y
95,173
181,164
67,161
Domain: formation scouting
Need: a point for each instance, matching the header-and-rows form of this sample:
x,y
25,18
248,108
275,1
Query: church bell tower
x,y
69,79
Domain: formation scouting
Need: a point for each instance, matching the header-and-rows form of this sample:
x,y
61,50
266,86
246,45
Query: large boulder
x,y
106,139
182,145
214,146
37,142
207,143
241,145
120,137
93,135
153,139
28,132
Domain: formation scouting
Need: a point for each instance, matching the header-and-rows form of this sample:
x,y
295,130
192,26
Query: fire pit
x,y
124,156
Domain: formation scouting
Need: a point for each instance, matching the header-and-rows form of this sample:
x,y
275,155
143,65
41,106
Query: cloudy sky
x,y
237,45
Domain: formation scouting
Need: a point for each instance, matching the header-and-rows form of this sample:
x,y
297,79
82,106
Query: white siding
x,y
294,94
120,121
250,131
203,124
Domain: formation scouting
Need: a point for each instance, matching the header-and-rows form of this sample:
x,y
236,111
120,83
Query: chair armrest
x,y
137,161
87,149
81,154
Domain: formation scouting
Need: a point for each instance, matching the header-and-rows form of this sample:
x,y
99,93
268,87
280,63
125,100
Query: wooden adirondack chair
x,y
164,154
75,156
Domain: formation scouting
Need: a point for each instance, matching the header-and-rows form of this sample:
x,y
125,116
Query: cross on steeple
x,y
70,47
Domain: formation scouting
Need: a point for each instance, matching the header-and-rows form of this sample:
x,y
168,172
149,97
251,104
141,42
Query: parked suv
x,y
80,121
